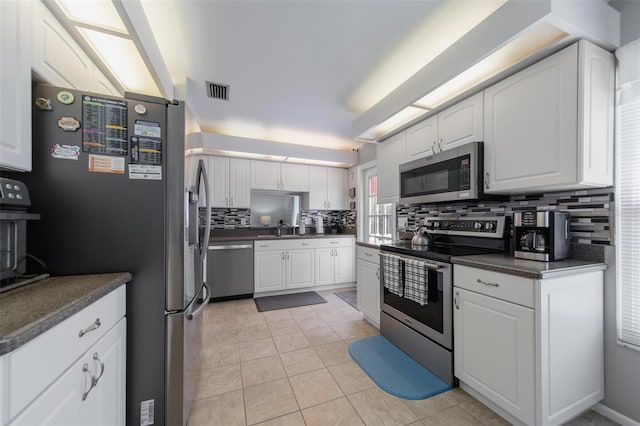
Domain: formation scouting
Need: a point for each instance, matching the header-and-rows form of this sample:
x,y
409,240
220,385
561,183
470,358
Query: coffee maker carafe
x,y
541,235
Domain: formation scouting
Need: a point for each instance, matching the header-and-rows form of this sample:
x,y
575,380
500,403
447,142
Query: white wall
x,y
629,19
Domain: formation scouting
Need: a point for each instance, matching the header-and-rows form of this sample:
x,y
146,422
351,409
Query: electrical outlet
x,y
402,222
243,221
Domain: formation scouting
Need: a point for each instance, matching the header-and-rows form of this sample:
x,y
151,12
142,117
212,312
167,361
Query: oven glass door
x,y
451,175
433,318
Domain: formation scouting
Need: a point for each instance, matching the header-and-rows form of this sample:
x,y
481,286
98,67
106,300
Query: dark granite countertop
x,y
215,238
374,242
29,311
527,268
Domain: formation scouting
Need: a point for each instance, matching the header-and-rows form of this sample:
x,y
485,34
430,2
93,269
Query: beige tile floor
x,y
291,367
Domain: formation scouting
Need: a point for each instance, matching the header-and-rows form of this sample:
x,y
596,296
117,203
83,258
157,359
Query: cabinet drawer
x,y
38,363
335,242
495,284
261,245
368,254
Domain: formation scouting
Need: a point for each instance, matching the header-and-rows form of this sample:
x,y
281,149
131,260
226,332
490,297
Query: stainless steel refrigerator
x,y
108,181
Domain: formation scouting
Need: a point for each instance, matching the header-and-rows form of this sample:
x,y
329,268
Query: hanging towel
x,y
416,280
392,267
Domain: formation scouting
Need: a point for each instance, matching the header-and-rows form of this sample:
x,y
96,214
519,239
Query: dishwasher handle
x,y
231,247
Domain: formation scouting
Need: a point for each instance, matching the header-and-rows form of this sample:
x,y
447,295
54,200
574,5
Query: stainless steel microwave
x,y
451,175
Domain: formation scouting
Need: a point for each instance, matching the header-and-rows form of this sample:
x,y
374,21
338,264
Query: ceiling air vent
x,y
218,91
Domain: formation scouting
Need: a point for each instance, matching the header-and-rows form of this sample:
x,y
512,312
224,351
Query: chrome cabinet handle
x,y
455,300
478,280
287,255
378,272
368,254
333,242
433,149
96,324
282,255
85,368
486,180
440,144
96,358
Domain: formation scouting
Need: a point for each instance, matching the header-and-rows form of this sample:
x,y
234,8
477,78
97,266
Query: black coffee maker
x,y
541,235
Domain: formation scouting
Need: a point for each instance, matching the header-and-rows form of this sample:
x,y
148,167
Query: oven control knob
x,y
489,226
436,225
477,225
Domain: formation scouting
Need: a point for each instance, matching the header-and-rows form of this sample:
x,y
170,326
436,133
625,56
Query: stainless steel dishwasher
x,y
230,269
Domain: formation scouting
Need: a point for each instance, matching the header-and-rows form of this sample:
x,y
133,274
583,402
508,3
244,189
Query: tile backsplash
x,y
592,211
228,218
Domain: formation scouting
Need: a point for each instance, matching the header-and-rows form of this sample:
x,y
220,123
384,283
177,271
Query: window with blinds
x,y
628,195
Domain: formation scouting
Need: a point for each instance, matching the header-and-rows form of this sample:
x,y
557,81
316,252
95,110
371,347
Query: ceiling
x,y
300,71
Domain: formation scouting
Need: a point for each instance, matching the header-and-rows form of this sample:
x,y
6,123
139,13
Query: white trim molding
x,y
614,415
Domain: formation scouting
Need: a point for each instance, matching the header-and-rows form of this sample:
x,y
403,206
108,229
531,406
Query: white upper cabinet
x,y
327,188
391,153
58,59
294,177
279,176
550,126
229,182
15,85
462,123
422,138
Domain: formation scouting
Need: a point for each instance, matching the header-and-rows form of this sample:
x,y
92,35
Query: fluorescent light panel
x,y
520,48
96,13
399,119
122,58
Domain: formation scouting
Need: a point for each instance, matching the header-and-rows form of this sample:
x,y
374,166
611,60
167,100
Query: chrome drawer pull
x,y
455,300
95,358
478,280
85,368
368,254
96,324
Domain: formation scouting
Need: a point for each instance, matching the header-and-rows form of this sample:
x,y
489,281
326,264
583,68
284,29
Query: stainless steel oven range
x,y
416,285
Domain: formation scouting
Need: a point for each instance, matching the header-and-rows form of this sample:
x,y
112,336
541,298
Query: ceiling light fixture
x,y
514,36
105,32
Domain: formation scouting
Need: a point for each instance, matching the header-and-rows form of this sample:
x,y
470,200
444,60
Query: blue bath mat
x,y
394,371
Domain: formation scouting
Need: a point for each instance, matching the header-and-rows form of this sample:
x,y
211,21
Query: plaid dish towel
x,y
416,280
392,273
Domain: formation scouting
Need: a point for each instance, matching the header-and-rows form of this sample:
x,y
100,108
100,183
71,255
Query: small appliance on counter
x,y
14,203
541,235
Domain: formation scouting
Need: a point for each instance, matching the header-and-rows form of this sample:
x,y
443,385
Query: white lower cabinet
x,y
334,261
73,373
90,392
302,263
494,350
368,284
532,349
283,264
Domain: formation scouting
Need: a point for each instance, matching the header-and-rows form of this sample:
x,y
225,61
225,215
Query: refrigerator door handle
x,y
206,294
202,173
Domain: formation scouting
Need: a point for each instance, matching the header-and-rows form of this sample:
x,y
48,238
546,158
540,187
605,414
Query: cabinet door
x,y
295,177
265,175
325,266
461,123
336,188
63,404
218,174
391,153
15,84
300,268
317,188
530,127
368,288
106,399
422,138
102,85
269,270
239,183
56,56
344,260
494,354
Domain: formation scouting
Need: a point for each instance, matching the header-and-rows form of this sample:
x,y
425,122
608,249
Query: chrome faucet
x,y
279,227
